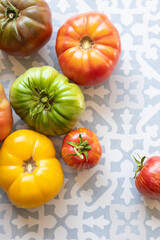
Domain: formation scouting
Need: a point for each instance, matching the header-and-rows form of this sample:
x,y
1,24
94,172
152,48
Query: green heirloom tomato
x,y
45,100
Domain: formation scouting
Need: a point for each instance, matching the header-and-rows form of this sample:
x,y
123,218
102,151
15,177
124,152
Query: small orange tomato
x,y
88,48
81,149
29,172
6,120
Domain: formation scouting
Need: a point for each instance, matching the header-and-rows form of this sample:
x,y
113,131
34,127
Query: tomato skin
x,y
34,27
29,187
148,179
47,101
6,119
88,66
94,155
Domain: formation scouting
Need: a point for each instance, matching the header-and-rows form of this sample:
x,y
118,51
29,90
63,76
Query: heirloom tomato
x,y
45,100
30,174
6,119
25,26
88,48
147,180
81,149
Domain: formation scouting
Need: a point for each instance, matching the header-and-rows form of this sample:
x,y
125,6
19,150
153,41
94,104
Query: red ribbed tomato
x,y
6,119
148,179
88,48
81,149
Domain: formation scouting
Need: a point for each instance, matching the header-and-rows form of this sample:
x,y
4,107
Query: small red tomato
x,y
88,48
81,149
148,180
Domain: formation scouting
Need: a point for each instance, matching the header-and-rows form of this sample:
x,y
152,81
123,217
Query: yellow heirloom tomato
x,y
29,172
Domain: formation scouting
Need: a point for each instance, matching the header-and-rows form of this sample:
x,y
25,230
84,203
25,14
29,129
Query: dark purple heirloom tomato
x,y
25,26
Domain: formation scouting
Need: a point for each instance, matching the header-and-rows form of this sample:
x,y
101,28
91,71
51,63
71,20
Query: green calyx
x,y
43,99
80,148
139,164
11,14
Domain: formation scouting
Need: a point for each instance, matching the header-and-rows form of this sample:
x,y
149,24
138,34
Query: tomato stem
x,y
139,164
86,42
78,154
80,148
43,99
11,14
29,165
